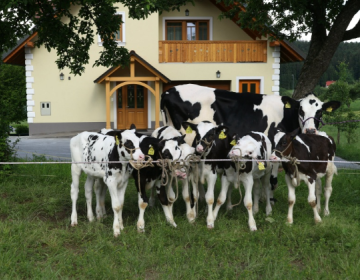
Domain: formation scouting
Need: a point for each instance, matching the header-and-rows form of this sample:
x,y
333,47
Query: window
x,y
119,36
187,30
252,86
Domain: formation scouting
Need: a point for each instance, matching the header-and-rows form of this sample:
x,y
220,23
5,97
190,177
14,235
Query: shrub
x,y
22,129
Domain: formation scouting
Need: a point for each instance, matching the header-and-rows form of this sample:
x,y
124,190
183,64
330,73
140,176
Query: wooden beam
x,y
30,45
132,67
157,104
135,79
274,44
108,96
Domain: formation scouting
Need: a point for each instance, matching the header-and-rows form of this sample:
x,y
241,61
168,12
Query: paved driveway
x,y
55,148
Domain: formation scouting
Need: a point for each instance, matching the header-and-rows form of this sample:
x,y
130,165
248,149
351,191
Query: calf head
x,y
310,109
128,144
247,147
283,144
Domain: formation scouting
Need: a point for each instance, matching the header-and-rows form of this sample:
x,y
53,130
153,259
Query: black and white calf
x,y
310,147
92,154
256,147
150,176
166,133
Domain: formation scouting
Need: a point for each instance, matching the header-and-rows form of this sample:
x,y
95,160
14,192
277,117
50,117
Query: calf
x,y
256,147
150,175
168,133
93,153
307,147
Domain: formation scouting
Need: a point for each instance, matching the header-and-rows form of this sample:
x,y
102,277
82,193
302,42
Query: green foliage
x,y
21,129
13,107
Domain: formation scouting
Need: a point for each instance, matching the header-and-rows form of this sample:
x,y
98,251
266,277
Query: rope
x,y
292,160
140,165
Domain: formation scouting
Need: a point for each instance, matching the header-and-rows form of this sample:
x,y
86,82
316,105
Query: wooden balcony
x,y
212,51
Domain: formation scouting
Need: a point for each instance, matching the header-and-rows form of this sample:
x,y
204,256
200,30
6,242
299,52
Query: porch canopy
x,y
140,73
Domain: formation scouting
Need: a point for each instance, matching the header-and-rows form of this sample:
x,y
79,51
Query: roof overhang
x,y
16,56
134,57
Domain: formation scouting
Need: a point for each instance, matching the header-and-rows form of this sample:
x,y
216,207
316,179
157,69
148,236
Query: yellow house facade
x,y
187,46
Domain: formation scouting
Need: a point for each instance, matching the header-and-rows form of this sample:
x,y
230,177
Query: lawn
x,y
37,240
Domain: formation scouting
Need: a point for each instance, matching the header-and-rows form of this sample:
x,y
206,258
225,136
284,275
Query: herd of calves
x,y
104,158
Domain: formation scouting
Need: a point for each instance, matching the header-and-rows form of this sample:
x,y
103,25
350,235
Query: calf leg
x,y
256,191
266,185
318,190
152,197
100,191
312,200
116,205
229,205
291,198
74,192
222,195
328,190
88,194
248,185
190,214
209,196
142,202
121,195
161,191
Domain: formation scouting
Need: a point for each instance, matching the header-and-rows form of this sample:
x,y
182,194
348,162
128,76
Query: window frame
x,y
249,78
122,40
184,27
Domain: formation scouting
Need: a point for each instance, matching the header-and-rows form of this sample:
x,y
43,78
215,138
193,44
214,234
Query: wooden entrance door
x,y
132,107
252,86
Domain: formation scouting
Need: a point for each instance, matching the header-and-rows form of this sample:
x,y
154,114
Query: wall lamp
x,y
218,74
187,12
61,76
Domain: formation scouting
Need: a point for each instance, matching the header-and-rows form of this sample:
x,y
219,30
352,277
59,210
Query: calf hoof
x,y
318,220
91,219
191,217
253,228
289,221
326,212
210,226
74,224
229,207
116,234
255,210
140,230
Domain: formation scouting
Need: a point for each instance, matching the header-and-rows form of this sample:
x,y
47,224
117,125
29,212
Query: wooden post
x,y
107,88
157,103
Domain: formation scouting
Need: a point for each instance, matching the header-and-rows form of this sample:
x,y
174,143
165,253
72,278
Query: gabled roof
x,y
16,55
141,61
288,52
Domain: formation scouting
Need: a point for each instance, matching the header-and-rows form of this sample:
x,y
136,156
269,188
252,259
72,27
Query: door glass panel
x,y
140,97
130,96
244,88
203,31
174,31
253,88
120,98
191,31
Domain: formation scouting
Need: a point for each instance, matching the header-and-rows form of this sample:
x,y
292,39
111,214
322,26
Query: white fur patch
x,y
302,142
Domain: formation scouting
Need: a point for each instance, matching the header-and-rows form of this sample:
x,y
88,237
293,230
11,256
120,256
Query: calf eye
x,y
129,144
284,143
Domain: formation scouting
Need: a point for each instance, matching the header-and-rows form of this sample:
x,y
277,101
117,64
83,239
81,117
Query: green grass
x,y
37,241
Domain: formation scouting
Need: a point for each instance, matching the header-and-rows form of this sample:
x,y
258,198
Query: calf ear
x,y
181,140
297,131
186,126
290,103
132,126
331,106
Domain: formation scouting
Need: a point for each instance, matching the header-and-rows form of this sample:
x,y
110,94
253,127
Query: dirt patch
x,y
4,195
3,217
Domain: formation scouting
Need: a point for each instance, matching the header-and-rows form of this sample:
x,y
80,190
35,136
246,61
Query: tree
x,y
326,20
72,37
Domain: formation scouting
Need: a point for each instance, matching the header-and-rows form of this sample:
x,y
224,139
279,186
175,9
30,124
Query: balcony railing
x,y
212,51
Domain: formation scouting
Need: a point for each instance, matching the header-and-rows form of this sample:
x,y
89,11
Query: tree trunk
x,y
323,47
338,137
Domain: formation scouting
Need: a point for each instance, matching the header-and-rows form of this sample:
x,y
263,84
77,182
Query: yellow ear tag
x,y
151,151
189,130
287,105
222,135
261,166
233,142
117,142
329,109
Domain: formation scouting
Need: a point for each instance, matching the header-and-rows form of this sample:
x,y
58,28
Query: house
x,y
328,83
166,50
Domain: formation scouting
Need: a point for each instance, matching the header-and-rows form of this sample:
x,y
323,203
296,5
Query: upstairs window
x,y
119,35
187,30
